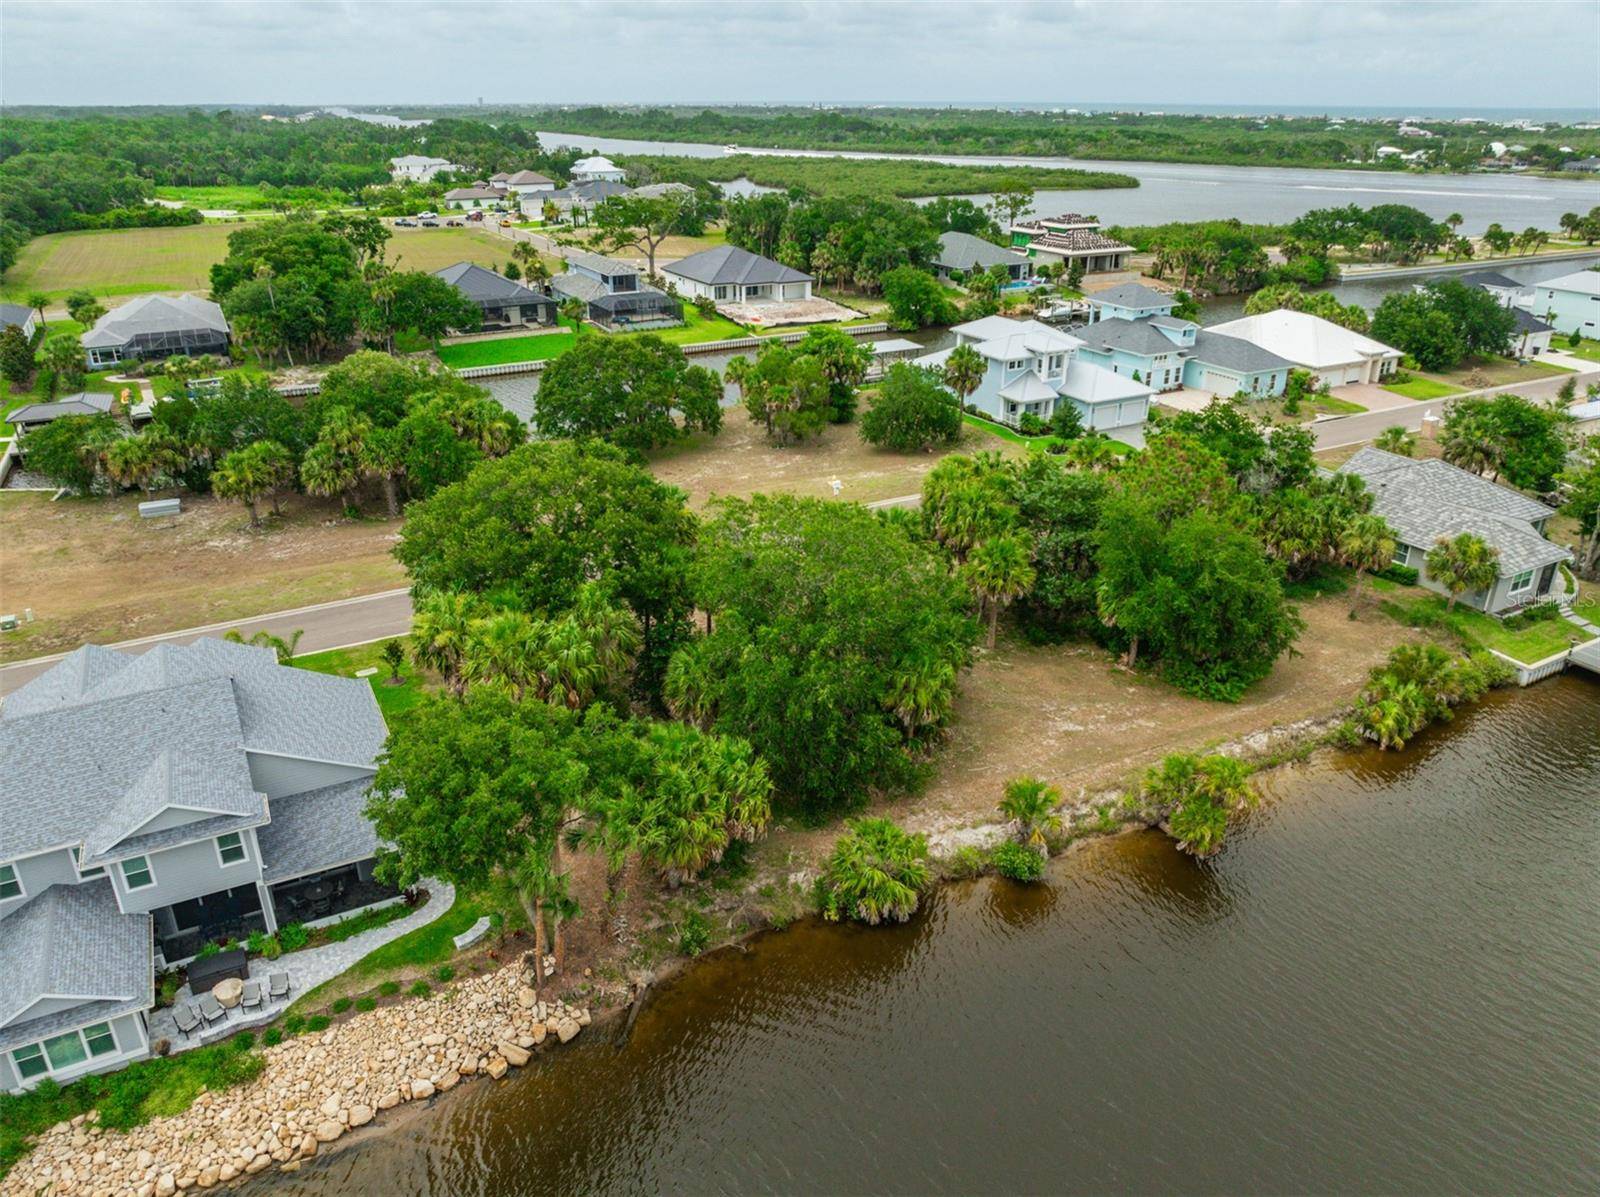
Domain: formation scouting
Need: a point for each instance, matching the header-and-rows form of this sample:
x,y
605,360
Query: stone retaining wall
x,y
315,1089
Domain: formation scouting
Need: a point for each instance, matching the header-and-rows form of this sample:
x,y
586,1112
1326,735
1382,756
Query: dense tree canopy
x,y
636,392
911,412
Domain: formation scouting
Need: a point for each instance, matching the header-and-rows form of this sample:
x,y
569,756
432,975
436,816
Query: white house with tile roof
x,y
150,804
1427,500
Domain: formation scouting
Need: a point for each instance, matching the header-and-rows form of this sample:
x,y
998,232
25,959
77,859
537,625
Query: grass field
x,y
1422,388
1498,372
1419,608
544,346
344,662
1588,350
240,197
136,261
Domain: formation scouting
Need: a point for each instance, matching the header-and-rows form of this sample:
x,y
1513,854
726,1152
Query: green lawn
x,y
346,661
1419,608
542,347
1587,349
1422,388
1038,444
1495,372
117,262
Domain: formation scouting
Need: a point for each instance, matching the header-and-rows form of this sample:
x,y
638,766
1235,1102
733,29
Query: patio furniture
x,y
278,985
183,1014
205,973
251,998
210,1009
227,992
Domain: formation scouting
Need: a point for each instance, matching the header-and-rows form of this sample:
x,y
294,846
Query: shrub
x,y
317,1023
256,944
1031,425
272,1036
366,1003
877,871
1016,862
1405,575
389,988
340,1005
911,412
963,864
420,989
443,973
694,933
1419,684
293,937
294,1024
1539,614
207,950
1197,794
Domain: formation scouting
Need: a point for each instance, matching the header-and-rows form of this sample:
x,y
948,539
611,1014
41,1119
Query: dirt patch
x,y
91,570
741,461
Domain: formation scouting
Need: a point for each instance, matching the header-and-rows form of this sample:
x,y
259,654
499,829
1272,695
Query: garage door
x,y
1218,384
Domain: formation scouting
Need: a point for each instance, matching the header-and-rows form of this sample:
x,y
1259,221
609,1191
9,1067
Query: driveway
x,y
1372,397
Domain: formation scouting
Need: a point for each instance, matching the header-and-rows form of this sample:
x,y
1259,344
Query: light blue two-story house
x,y
1569,304
1131,301
1032,369
150,804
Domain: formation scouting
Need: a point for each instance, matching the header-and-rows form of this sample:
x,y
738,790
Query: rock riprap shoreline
x,y
314,1090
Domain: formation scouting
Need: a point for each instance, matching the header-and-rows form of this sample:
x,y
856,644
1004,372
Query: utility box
x,y
159,507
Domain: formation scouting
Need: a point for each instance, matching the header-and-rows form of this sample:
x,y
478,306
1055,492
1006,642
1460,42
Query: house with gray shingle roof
x,y
1427,500
962,253
728,274
24,318
613,295
503,302
156,326
151,804
1169,353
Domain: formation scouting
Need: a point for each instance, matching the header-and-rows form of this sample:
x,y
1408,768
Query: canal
x,y
1387,982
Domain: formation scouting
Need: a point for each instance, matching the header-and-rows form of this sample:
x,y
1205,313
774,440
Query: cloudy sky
x,y
1529,53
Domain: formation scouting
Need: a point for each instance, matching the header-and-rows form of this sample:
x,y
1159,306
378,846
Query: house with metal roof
x,y
613,294
503,302
597,169
1070,237
1332,353
728,274
36,415
1428,500
1032,369
961,254
156,326
151,804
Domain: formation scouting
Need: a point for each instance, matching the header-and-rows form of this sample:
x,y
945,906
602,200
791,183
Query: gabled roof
x,y
1230,353
483,286
1093,384
1030,388
730,264
499,177
1132,295
14,313
1490,278
1130,336
591,192
1005,339
1305,339
1426,500
71,941
1527,322
963,251
81,404
91,751
316,830
1583,282
524,178
155,314
466,193
597,162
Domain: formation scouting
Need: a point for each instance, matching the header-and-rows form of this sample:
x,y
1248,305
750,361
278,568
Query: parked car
x,y
455,224
429,223
403,223
428,215
475,216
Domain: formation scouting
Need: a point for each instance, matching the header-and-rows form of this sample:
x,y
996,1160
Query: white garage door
x,y
1218,384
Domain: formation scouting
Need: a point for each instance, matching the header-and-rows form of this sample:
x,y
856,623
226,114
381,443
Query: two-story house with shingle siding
x,y
1428,500
150,804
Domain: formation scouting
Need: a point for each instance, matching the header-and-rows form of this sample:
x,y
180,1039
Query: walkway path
x,y
306,969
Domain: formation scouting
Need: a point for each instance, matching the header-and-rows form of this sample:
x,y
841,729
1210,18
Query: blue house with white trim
x,y
1569,304
1131,301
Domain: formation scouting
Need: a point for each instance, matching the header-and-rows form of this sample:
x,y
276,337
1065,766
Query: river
x,y
1386,983
1255,194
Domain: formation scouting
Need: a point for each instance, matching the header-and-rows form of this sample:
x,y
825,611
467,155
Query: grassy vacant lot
x,y
1587,349
1422,388
543,346
347,662
1423,609
1498,371
135,261
670,250
92,570
118,261
740,461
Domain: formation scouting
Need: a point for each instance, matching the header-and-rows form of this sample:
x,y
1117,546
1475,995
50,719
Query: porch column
x,y
267,912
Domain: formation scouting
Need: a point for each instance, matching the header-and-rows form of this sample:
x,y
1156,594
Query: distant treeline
x,y
905,179
1242,141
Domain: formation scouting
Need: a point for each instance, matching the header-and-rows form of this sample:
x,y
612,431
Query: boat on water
x,y
730,149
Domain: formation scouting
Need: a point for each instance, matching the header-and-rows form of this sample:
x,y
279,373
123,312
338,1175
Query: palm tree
x,y
737,372
336,461
1471,447
96,447
1466,563
690,684
574,311
1397,440
963,371
242,475
1092,451
1454,220
1366,545
999,571
441,630
1031,805
62,361
130,461
921,694
506,649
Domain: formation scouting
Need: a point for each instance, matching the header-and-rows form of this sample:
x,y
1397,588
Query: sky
x,y
1536,54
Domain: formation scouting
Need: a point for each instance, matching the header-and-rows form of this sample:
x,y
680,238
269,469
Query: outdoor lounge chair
x,y
211,1009
183,1014
278,985
251,998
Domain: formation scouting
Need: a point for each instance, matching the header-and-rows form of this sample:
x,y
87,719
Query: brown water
x,y
1389,981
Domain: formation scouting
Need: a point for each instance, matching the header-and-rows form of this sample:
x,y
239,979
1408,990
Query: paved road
x,y
326,625
1355,430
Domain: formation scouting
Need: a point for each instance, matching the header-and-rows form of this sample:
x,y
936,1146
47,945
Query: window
x,y
230,848
100,1040
10,883
1015,366
30,1061
1055,363
719,292
77,859
1401,553
63,1051
1522,582
136,873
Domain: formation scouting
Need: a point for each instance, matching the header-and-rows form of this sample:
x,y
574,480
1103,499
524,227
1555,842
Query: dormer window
x,y
1015,366
10,883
